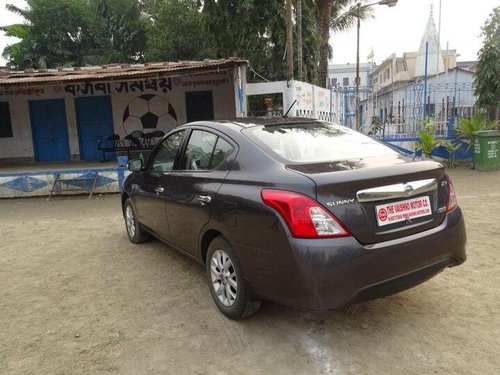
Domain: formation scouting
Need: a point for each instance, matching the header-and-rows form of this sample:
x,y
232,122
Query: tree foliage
x,y
120,31
175,31
487,80
468,126
57,30
255,30
76,32
251,29
79,32
427,138
333,15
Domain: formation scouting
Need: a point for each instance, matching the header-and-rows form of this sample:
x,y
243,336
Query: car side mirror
x,y
134,165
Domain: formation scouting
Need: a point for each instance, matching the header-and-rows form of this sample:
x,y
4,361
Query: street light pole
x,y
390,4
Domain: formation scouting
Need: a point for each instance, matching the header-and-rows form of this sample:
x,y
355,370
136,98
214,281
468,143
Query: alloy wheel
x,y
130,221
224,278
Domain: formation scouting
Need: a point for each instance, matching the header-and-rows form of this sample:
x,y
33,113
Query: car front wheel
x,y
135,232
227,285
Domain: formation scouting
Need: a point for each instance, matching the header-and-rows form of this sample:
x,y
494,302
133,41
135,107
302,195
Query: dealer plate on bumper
x,y
390,213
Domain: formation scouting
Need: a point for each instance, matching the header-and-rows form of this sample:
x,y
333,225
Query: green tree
x,y
247,29
255,30
16,52
54,32
76,32
120,31
487,80
310,44
175,32
333,15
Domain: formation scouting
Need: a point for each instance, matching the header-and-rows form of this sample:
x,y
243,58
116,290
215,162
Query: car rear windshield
x,y
314,142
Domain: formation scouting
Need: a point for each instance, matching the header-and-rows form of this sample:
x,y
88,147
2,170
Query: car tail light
x,y
452,198
305,217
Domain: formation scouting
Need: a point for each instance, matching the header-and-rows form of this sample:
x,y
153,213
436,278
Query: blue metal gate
x,y
95,123
49,130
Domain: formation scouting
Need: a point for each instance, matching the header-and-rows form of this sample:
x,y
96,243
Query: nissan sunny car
x,y
300,212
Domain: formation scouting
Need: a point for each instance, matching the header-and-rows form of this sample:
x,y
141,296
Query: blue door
x,y
49,129
95,122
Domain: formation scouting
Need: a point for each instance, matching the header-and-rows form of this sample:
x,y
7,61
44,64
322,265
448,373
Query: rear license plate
x,y
395,212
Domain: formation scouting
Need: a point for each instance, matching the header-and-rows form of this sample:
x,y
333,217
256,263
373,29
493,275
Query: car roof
x,y
246,122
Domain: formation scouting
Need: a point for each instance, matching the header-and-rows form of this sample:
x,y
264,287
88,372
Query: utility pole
x,y
299,37
289,41
425,78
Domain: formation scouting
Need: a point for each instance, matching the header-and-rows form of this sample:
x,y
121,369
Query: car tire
x,y
135,231
229,289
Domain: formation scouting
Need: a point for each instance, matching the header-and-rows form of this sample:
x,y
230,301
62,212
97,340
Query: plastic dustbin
x,y
486,150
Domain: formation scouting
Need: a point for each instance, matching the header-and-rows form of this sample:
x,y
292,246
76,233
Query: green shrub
x,y
467,126
428,140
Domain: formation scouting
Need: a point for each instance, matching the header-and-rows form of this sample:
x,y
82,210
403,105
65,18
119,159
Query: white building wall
x,y
341,71
222,84
454,88
20,144
300,99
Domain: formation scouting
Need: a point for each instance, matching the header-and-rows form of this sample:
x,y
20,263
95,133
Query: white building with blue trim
x,y
429,83
54,121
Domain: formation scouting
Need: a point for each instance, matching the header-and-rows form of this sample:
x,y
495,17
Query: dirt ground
x,y
76,297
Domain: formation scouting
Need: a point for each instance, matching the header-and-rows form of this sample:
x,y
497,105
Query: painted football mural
x,y
149,112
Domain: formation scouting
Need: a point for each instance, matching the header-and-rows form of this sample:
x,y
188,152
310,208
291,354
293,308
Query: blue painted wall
x,y
400,144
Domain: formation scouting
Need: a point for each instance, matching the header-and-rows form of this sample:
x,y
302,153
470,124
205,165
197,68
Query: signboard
x,y
396,212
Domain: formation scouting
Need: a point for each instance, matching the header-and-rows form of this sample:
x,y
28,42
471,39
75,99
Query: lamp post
x,y
389,3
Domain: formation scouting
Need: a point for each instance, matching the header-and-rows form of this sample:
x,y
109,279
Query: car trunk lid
x,y
381,198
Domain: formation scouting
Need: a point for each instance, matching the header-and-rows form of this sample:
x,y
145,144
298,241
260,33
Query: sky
x,y
392,30
400,29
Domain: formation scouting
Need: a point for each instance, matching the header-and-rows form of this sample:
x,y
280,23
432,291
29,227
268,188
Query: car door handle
x,y
204,199
159,189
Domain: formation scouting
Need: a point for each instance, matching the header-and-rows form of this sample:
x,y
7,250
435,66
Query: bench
x,y
137,141
59,181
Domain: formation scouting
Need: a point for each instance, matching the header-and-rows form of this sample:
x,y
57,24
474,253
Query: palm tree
x,y
15,52
335,15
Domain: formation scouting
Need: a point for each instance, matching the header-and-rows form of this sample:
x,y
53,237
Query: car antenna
x,y
286,114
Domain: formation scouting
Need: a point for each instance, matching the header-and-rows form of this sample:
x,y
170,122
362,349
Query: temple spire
x,y
435,57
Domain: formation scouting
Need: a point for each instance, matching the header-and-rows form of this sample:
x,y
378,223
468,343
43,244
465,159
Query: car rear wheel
x,y
229,290
135,232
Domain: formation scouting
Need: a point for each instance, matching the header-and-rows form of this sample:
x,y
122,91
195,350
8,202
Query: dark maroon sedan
x,y
304,213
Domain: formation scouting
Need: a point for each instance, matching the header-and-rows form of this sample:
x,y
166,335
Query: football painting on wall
x,y
149,112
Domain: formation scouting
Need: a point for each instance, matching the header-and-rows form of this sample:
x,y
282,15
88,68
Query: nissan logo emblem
x,y
408,190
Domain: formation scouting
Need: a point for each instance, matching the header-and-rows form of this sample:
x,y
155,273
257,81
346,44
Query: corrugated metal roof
x,y
109,72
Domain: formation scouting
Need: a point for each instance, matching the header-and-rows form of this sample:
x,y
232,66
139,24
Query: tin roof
x,y
114,71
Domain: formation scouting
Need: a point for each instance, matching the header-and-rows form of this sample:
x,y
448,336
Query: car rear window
x,y
314,142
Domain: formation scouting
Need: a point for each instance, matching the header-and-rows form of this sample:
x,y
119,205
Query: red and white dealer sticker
x,y
395,212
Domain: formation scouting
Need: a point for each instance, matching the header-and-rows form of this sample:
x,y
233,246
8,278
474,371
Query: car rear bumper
x,y
331,273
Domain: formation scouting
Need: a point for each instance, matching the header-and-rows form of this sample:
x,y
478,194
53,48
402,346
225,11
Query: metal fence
x,y
399,112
